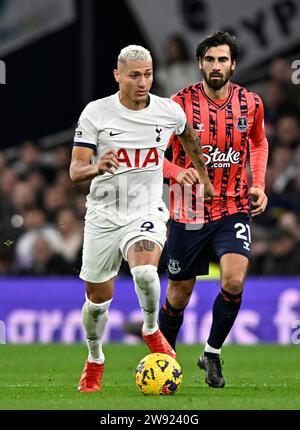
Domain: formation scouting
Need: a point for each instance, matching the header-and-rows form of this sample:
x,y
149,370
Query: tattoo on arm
x,y
144,245
198,151
192,144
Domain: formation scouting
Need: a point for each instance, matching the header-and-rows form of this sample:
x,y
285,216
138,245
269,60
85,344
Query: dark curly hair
x,y
216,39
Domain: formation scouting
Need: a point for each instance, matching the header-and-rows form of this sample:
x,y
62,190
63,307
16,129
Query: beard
x,y
216,84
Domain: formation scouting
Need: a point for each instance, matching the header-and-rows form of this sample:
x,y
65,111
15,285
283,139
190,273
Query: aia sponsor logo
x,y
220,159
138,158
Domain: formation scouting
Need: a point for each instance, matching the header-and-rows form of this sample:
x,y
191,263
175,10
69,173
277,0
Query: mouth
x,y
216,76
141,93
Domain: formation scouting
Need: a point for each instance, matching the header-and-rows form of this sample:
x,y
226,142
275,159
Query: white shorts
x,y
105,244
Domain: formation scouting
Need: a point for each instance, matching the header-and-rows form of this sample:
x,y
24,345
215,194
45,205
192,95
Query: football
x,y
158,374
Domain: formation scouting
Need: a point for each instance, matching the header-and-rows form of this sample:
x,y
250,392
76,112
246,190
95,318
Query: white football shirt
x,y
140,139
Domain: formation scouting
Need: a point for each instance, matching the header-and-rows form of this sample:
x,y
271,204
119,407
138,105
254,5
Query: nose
x,y
142,82
216,66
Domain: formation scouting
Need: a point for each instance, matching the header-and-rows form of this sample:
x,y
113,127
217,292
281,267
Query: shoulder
x,y
183,97
187,91
165,103
166,107
239,89
94,107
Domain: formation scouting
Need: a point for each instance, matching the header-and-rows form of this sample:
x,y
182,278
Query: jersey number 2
x,y
241,229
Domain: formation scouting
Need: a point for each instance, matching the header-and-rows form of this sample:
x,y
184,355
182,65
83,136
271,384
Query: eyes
x,y
212,59
137,75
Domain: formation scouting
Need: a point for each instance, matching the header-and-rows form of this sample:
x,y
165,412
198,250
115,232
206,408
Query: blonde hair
x,y
134,53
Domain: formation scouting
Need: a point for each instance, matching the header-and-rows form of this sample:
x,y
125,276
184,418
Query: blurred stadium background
x,y
59,55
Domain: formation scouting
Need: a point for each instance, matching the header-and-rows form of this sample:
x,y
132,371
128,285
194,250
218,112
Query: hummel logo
x,y
200,127
115,134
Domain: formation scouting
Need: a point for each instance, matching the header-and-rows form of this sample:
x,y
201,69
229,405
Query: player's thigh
x,y
101,256
143,252
232,241
143,240
232,235
187,255
100,292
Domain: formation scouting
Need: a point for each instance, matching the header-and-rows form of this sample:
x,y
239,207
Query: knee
x,y
145,276
99,293
179,292
98,298
233,284
96,309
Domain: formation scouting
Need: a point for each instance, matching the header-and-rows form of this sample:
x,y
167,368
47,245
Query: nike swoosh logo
x,y
115,134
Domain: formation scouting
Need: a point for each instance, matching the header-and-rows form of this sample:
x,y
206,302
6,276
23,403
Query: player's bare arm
x,y
82,170
192,145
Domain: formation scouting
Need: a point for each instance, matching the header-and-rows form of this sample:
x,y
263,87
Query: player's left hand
x,y
259,201
208,191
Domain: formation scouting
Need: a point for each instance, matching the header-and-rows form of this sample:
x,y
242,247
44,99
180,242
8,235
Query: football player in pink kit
x,y
230,121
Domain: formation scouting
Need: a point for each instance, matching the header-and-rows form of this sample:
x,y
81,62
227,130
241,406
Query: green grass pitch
x,y
46,377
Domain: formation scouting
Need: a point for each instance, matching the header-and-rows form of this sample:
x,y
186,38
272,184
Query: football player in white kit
x,y
119,143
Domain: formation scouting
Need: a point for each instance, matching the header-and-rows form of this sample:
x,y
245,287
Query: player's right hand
x,y
108,160
191,176
188,177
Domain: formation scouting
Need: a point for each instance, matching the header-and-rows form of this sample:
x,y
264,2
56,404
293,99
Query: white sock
x,y
147,288
94,318
208,348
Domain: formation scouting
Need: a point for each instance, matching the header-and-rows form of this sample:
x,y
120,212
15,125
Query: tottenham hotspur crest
x,y
242,123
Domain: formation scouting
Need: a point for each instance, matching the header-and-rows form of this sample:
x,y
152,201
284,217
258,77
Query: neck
x,y
131,104
220,94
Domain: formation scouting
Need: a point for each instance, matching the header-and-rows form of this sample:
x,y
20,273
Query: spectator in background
x,y
45,260
281,73
55,199
281,169
71,231
288,132
274,99
61,158
38,184
283,258
178,71
3,161
293,192
290,222
62,180
8,181
35,226
6,260
8,229
23,197
29,159
259,249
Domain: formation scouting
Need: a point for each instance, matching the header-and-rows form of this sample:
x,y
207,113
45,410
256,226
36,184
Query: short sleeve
x,y
86,132
181,118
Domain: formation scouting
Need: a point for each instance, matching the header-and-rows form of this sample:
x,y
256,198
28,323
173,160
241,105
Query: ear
x,y
117,75
233,65
200,64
